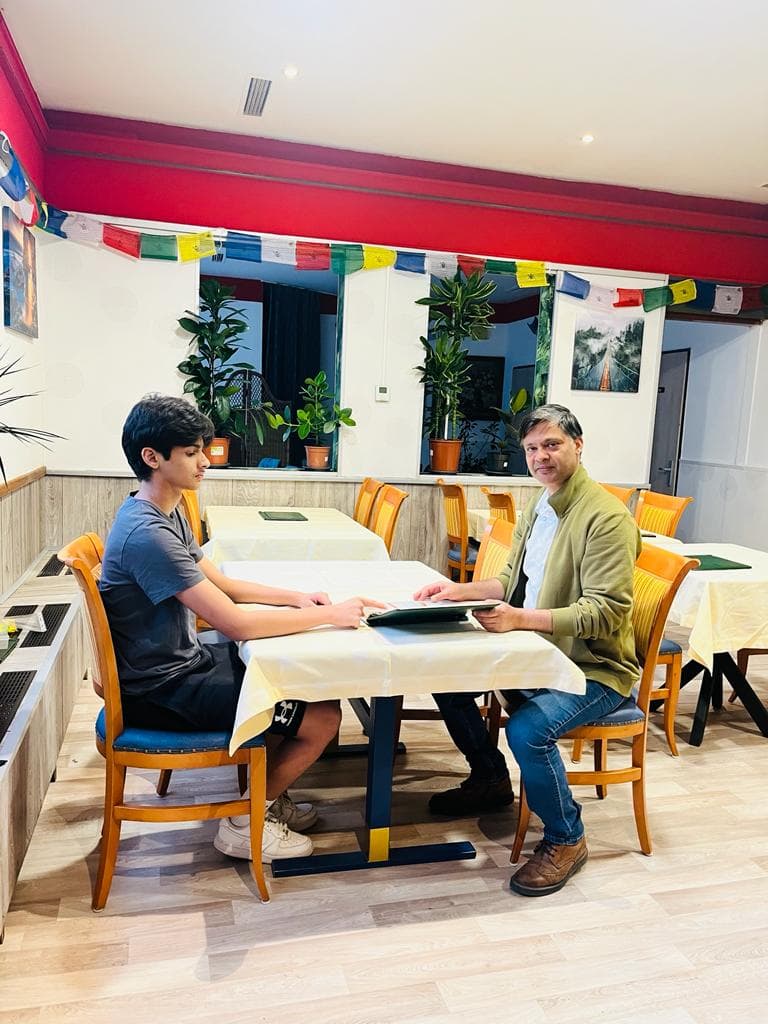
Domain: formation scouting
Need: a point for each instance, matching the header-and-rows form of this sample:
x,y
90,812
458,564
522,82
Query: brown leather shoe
x,y
549,868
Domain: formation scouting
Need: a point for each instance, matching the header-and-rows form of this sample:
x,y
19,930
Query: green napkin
x,y
709,562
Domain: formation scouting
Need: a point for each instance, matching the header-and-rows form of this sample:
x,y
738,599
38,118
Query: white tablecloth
x,y
725,609
238,532
329,663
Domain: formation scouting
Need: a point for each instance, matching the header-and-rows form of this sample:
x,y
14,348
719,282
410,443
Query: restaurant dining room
x,y
383,569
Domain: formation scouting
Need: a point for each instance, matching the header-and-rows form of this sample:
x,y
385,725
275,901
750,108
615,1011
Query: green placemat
x,y
709,562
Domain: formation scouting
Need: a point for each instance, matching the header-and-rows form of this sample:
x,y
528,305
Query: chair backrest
x,y
624,494
494,549
366,497
83,556
657,578
190,507
501,504
660,513
455,507
387,512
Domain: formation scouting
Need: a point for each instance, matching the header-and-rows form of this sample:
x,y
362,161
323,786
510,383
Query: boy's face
x,y
183,469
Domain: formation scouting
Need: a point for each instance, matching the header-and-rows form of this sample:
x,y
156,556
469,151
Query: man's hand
x,y
504,618
301,600
348,614
443,591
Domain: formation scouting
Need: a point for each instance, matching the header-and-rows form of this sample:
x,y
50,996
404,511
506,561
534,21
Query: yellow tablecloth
x,y
238,532
478,519
329,663
725,609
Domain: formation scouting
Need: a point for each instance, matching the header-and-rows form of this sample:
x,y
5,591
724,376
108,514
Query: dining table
x,y
380,663
277,533
724,604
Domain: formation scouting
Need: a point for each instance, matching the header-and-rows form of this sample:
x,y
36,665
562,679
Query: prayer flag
x,y
493,266
27,209
159,247
728,299
346,259
683,291
600,297
83,229
412,262
12,178
122,240
313,255
531,274
705,295
471,264
442,264
239,246
752,298
629,297
374,256
52,220
196,246
570,284
655,298
278,250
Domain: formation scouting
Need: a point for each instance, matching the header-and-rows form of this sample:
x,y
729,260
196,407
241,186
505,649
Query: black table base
x,y
711,694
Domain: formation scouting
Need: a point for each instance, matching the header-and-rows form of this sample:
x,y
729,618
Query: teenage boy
x,y
155,581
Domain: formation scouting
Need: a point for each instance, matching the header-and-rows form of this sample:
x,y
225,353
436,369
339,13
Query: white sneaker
x,y
278,840
298,817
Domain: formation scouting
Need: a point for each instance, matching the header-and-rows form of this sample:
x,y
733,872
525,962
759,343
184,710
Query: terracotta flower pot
x,y
444,455
217,452
317,456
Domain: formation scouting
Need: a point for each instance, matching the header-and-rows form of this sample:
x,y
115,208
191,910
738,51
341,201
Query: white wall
x,y
19,458
110,336
618,427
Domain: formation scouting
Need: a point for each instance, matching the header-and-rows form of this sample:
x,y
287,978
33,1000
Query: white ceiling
x,y
674,91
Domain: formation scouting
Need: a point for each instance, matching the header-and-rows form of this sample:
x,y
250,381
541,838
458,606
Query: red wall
x,y
20,115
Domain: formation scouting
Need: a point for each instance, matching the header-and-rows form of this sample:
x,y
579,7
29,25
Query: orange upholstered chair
x,y
501,504
190,507
366,498
660,513
386,513
461,555
624,494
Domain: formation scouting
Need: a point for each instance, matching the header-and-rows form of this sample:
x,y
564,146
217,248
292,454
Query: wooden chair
x,y
501,504
386,513
461,556
660,513
190,507
125,748
624,494
742,663
366,497
658,575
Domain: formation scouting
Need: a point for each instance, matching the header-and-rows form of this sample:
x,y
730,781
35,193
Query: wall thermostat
x,y
382,393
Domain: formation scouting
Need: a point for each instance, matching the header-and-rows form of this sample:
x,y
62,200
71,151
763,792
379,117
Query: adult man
x,y
155,580
569,577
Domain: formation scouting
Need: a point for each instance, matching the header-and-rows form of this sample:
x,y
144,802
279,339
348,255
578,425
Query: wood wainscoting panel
x,y
21,532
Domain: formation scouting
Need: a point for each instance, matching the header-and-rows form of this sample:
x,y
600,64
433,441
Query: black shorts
x,y
205,700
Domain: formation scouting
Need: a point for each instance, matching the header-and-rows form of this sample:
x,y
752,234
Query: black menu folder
x,y
411,613
284,517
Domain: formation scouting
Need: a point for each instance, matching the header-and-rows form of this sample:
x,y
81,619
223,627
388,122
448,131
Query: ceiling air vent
x,y
256,100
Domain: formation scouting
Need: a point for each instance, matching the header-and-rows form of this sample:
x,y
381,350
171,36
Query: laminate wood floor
x,y
676,938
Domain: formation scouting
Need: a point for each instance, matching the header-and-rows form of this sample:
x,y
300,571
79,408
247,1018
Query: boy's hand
x,y
348,614
302,600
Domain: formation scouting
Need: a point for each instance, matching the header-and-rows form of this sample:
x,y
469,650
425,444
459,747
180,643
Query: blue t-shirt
x,y
150,557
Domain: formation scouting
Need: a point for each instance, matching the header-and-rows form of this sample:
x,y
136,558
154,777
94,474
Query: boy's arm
x,y
243,592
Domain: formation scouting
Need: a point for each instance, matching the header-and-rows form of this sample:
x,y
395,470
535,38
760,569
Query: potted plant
x,y
458,310
26,434
505,435
209,369
320,415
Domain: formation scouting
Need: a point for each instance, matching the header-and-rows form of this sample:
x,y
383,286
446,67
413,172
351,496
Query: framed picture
x,y
484,389
19,276
606,353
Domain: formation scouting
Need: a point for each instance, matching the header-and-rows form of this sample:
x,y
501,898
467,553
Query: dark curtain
x,y
290,345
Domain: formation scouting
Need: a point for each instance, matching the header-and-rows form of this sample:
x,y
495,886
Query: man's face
x,y
552,455
184,468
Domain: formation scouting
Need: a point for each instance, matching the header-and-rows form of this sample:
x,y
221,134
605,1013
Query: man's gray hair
x,y
557,414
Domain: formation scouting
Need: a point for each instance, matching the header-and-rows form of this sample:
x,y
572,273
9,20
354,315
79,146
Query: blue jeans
x,y
466,728
532,732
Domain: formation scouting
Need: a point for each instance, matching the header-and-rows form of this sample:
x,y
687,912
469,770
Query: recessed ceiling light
x,y
290,71
586,139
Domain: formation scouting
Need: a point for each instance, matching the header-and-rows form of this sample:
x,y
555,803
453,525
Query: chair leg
x,y
110,834
601,764
258,793
163,781
524,816
578,746
672,683
242,778
638,796
398,705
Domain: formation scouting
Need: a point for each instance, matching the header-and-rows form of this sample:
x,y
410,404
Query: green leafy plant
x,y
458,310
209,369
507,439
319,415
27,435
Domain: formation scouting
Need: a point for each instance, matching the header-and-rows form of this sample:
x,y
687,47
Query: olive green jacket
x,y
588,579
